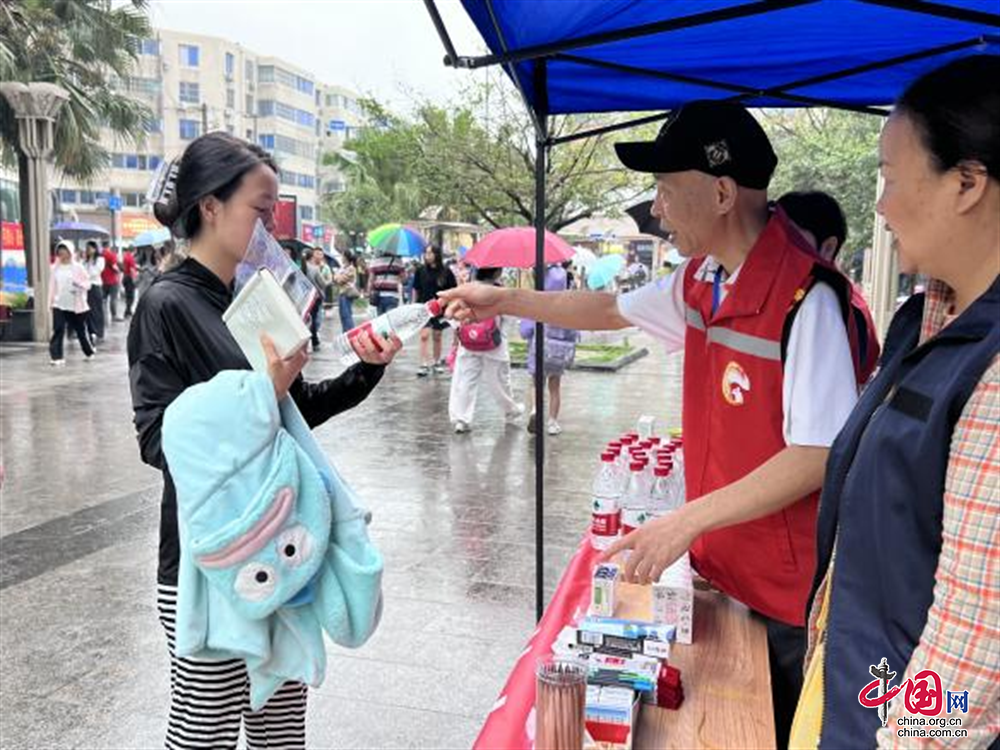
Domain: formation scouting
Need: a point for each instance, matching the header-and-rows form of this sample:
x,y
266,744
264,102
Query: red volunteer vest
x,y
733,376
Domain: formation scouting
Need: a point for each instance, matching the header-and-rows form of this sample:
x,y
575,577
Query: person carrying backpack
x,y
482,356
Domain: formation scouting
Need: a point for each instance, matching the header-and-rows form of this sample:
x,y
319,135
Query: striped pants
x,y
209,700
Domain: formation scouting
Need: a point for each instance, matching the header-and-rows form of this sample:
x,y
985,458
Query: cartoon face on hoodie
x,y
252,509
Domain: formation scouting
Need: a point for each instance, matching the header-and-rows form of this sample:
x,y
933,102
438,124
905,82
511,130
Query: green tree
x,y
831,150
80,45
478,157
380,166
474,160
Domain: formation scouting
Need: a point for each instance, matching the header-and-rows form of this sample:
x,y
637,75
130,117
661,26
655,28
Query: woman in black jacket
x,y
178,339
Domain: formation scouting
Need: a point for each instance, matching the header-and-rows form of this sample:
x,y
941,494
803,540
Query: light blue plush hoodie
x,y
274,548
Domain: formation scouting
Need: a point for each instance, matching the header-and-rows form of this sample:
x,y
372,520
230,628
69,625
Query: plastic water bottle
x,y
635,502
663,498
404,321
605,513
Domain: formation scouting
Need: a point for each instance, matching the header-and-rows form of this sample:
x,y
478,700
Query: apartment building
x,y
194,84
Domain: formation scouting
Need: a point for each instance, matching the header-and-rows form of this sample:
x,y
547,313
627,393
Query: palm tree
x,y
80,45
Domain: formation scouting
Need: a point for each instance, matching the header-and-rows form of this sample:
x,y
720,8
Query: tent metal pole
x,y
943,11
452,56
512,70
741,91
609,128
541,159
878,65
659,27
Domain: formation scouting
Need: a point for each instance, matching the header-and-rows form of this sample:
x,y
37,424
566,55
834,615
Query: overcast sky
x,y
380,47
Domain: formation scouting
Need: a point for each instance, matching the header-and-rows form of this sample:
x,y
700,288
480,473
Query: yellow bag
x,y
808,721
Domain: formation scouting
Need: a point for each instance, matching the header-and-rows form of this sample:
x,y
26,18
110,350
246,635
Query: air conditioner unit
x,y
249,85
228,113
229,76
166,66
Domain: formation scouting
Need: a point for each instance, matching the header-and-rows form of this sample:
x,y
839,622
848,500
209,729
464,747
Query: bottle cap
x,y
637,466
662,471
607,457
655,439
435,308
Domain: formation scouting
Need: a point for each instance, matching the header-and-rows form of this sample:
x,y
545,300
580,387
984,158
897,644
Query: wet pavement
x,y
84,661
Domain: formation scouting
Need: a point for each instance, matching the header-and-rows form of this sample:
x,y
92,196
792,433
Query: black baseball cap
x,y
720,138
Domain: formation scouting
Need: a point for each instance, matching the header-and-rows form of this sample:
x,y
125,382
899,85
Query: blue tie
x,y
716,290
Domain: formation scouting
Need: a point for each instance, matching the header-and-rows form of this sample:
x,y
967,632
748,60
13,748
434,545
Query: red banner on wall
x,y
286,218
11,235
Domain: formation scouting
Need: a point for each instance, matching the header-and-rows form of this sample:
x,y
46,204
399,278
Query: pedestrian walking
x,y
68,288
482,357
94,263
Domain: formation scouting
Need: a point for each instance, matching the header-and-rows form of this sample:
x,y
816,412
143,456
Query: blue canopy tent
x,y
580,56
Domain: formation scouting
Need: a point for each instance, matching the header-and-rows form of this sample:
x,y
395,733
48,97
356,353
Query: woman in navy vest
x,y
906,601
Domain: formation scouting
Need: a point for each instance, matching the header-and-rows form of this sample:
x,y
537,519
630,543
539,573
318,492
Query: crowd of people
x,y
898,561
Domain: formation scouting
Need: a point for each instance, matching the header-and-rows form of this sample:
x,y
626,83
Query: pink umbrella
x,y
515,248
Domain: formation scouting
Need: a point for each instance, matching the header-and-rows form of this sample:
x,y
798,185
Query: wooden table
x,y
726,677
725,672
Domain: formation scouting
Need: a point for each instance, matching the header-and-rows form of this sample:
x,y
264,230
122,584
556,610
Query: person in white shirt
x,y
482,357
68,285
94,263
712,163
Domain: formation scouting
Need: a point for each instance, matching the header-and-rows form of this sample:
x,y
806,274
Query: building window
x,y
306,213
141,86
154,162
249,105
189,129
265,107
190,92
231,98
131,161
68,196
87,197
265,73
153,125
267,141
189,55
248,71
118,161
230,64
133,200
249,135
150,47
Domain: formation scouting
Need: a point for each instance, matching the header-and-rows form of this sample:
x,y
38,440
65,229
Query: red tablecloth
x,y
511,722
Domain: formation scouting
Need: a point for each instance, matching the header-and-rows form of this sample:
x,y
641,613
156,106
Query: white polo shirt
x,y
819,387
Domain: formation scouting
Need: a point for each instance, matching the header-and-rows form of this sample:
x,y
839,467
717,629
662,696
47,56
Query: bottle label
x,y
633,518
605,505
379,326
605,524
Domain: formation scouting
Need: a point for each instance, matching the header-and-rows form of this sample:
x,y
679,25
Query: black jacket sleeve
x,y
320,401
155,383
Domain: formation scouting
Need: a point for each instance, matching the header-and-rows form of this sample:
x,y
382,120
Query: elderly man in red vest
x,y
771,370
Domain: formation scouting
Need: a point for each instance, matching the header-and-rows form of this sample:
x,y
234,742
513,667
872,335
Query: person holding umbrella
x,y
482,356
385,274
750,523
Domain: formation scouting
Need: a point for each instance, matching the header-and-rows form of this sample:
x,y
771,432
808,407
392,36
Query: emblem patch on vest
x,y
735,384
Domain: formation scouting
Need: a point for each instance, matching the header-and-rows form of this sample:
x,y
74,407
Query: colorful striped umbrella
x,y
396,239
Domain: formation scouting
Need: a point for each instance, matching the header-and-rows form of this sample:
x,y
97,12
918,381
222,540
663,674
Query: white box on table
x,y
673,599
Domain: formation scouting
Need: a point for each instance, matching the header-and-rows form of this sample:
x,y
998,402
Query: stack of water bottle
x,y
638,479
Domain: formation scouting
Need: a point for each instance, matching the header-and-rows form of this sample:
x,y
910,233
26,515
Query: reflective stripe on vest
x,y
738,342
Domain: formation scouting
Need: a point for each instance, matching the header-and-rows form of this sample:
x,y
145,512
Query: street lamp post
x,y
35,107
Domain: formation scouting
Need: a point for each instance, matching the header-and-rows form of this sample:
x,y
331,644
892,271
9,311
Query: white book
x,y
262,306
